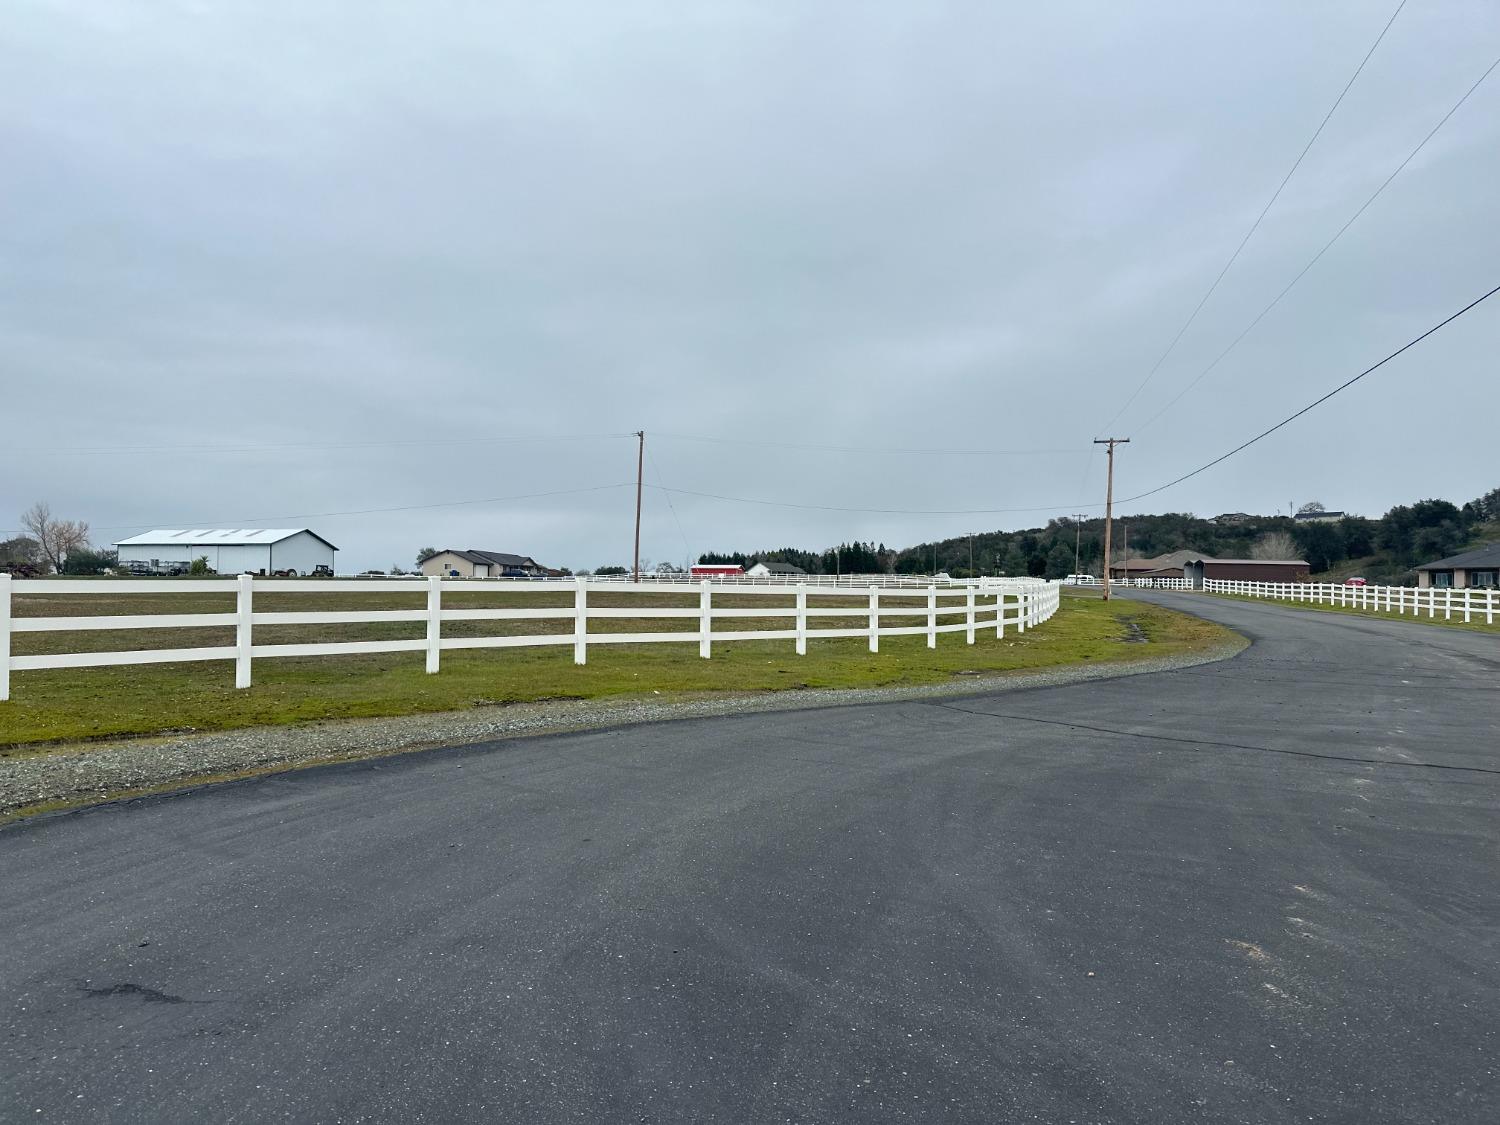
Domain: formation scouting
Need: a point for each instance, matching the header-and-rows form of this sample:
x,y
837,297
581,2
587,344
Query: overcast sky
x,y
307,258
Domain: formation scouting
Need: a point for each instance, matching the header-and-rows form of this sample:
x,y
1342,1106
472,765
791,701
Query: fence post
x,y
4,637
802,621
243,610
434,620
932,617
1023,607
705,619
1468,602
969,614
1000,614
874,619
581,620
1448,604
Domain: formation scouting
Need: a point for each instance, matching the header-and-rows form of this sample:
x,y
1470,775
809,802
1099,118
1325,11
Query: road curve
x,y
1257,891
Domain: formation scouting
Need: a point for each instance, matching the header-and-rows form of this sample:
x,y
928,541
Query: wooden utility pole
x,y
1109,502
641,465
1077,540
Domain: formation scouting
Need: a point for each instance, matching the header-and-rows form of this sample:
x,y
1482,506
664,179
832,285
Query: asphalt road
x,y
1263,890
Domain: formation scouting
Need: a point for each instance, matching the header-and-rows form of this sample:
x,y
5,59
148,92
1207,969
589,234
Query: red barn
x,y
716,570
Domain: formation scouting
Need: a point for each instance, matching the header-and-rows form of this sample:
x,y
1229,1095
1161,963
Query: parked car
x,y
1356,581
1080,580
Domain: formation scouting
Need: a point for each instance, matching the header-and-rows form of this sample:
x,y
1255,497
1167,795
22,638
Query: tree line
x,y
1386,548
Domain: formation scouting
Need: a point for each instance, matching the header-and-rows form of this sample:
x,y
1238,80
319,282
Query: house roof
x,y
1481,557
1258,562
1168,561
778,567
492,558
237,537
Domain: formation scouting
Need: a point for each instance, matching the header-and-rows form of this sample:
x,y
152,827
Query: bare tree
x,y
55,538
1311,507
1274,545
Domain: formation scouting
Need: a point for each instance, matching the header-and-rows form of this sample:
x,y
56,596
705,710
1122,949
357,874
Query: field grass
x,y
66,705
1456,622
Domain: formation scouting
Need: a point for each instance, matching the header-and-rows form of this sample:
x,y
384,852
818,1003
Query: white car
x,y
1080,580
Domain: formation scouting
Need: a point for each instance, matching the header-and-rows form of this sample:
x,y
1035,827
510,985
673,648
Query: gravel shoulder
x,y
100,771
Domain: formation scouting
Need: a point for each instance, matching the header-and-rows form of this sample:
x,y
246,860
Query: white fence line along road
x,y
984,604
1471,603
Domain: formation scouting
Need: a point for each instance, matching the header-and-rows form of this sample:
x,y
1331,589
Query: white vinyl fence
x,y
983,604
1158,583
1471,604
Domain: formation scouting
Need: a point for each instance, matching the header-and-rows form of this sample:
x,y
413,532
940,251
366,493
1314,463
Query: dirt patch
x,y
1134,634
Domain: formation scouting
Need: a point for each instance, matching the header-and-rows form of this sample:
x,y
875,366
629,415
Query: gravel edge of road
x,y
97,772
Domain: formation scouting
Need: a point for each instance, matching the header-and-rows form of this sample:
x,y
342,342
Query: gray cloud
x,y
875,225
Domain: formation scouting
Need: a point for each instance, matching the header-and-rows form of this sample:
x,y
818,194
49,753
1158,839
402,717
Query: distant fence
x,y
982,604
1158,583
1470,604
839,581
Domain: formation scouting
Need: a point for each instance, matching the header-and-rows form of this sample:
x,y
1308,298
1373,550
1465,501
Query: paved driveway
x,y
1263,890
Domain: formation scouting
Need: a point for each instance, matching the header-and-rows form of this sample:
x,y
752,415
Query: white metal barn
x,y
233,551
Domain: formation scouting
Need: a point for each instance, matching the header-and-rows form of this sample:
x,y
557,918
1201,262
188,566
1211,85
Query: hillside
x,y
1384,549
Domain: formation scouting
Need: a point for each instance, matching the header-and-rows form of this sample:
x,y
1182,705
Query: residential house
x,y
454,563
1319,517
1479,567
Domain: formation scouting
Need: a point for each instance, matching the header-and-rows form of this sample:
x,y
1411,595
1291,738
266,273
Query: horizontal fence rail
x,y
679,578
1157,583
987,603
1470,604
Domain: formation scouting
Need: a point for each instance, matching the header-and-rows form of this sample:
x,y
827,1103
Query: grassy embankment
x,y
62,705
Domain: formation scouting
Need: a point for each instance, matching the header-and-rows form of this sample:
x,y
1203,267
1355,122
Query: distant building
x,y
1244,570
1229,519
1162,566
292,550
1479,567
1318,517
454,563
716,570
773,569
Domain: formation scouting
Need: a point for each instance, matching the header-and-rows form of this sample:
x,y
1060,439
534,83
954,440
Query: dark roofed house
x,y
1478,567
773,568
482,564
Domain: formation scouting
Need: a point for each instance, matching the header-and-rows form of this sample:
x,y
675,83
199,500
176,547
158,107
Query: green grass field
x,y
65,705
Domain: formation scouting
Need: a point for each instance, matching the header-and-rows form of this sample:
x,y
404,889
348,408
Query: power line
x,y
257,447
861,449
1318,401
1326,246
378,511
655,468
1259,218
860,511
